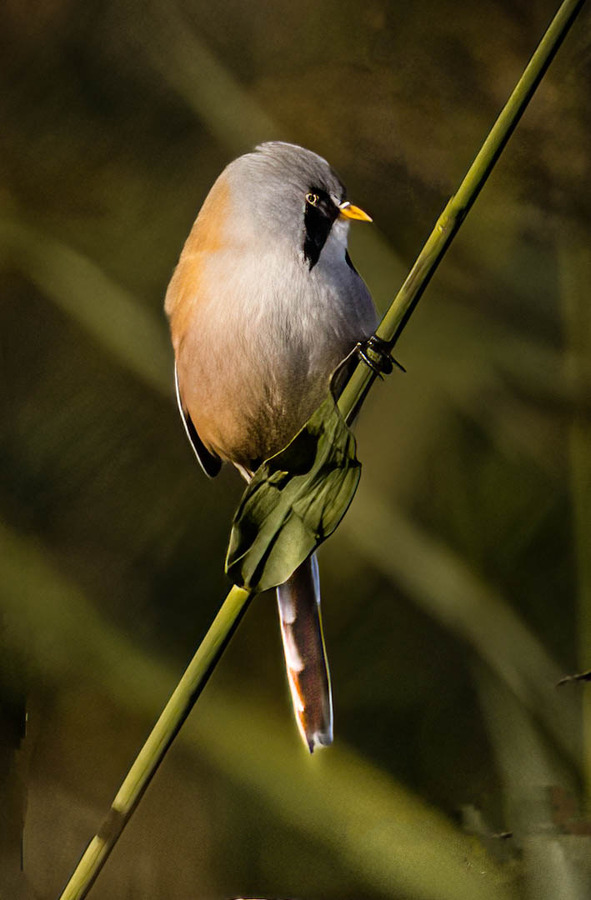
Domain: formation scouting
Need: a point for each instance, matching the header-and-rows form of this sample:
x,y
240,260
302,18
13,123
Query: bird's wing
x,y
209,462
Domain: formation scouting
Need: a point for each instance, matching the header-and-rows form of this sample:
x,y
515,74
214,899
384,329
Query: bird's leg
x,y
376,353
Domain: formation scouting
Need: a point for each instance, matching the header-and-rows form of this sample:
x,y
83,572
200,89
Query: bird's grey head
x,y
291,194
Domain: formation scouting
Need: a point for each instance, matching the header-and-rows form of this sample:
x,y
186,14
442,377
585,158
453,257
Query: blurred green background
x,y
458,589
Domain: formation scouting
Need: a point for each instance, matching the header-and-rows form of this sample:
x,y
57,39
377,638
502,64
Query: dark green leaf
x,y
295,500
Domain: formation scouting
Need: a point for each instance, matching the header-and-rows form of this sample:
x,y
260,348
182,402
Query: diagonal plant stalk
x,y
458,207
359,810
217,638
161,737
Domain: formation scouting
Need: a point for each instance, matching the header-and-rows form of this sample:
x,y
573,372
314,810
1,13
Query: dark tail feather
x,y
305,656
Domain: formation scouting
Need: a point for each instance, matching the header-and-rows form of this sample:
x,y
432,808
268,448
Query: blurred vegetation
x,y
458,589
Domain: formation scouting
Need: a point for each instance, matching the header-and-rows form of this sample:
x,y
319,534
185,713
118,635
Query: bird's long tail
x,y
305,655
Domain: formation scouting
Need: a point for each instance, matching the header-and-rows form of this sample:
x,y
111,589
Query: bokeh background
x,y
457,591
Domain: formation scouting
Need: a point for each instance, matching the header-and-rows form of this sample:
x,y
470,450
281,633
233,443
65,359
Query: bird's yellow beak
x,y
348,211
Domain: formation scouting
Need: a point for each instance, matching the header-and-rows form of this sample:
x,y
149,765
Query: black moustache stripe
x,y
318,221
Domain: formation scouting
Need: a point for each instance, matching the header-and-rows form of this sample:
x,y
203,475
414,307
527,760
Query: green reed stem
x,y
456,210
390,329
161,737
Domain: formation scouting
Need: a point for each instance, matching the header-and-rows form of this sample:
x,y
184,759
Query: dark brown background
x,y
457,591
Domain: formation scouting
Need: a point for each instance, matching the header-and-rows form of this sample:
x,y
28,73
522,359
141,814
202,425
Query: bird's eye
x,y
312,199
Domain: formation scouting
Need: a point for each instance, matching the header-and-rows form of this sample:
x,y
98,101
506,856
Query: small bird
x,y
263,305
